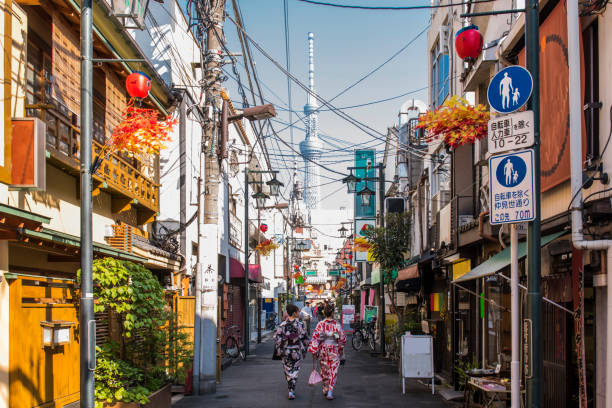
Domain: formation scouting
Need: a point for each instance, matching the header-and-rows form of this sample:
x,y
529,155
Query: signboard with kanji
x,y
511,132
511,187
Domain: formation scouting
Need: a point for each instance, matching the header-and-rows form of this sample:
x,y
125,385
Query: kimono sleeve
x,y
314,341
342,339
303,337
279,337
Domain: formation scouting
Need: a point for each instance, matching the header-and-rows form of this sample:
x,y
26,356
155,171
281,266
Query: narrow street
x,y
364,381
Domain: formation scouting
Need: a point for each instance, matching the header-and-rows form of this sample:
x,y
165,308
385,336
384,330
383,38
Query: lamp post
x,y
260,199
366,195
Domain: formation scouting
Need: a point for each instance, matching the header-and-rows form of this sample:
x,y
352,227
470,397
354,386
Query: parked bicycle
x,y
364,333
271,321
233,347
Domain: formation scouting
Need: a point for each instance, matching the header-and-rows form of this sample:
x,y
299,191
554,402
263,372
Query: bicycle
x,y
271,321
233,347
364,332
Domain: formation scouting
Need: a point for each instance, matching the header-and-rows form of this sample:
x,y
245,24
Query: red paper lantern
x,y
263,227
350,256
138,84
468,42
296,267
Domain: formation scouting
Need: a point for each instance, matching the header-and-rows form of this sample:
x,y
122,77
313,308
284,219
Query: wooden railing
x,y
122,238
115,172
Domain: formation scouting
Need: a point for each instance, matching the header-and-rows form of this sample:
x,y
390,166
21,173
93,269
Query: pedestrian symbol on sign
x,y
512,172
510,89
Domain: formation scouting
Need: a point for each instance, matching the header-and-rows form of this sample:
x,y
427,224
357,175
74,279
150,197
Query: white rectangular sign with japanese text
x,y
511,187
511,132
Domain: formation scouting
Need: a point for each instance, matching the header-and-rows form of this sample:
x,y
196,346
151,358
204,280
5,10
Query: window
x,y
439,76
591,90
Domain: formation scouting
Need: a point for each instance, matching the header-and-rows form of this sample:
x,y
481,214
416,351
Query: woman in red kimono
x,y
327,345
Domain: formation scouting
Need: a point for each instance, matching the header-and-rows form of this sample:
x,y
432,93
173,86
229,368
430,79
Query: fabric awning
x,y
237,270
502,259
255,273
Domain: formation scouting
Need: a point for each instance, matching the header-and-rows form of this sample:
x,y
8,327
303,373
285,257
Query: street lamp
x,y
260,198
351,183
366,196
366,199
343,231
253,113
275,186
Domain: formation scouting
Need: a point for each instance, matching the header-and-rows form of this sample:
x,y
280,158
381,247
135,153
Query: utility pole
x,y
87,323
381,198
534,295
247,333
205,382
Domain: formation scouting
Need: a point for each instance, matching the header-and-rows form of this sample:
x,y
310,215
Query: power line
x,y
350,6
372,132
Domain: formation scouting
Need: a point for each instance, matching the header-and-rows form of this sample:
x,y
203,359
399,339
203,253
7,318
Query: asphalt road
x,y
364,381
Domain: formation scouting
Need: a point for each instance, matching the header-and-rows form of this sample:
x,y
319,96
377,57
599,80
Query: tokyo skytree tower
x,y
311,147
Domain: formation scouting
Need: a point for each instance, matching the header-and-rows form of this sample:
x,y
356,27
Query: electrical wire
x,y
592,176
360,125
433,6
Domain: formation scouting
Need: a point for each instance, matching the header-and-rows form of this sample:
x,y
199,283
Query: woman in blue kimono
x,y
291,343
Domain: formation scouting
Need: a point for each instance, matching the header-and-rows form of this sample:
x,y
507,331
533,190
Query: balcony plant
x,y
456,122
148,350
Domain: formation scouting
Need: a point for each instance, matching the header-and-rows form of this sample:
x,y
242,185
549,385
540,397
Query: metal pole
x,y
515,369
258,307
288,264
381,194
197,324
87,323
247,335
534,296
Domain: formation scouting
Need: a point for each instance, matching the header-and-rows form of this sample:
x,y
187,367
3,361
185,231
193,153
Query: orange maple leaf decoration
x,y
456,122
141,131
265,247
361,245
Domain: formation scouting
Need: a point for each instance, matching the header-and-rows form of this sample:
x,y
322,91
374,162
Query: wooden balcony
x,y
126,184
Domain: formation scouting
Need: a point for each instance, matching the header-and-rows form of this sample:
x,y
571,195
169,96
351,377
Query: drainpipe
x,y
575,110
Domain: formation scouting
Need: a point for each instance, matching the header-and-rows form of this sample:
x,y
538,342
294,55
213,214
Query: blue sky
x,y
348,45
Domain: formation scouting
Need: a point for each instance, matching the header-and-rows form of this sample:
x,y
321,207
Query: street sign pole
x,y
534,296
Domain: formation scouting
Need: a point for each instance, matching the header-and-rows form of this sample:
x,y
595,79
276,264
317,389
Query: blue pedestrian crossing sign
x,y
511,187
510,89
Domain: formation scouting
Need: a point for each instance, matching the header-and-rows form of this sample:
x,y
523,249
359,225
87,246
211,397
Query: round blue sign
x,y
510,89
511,171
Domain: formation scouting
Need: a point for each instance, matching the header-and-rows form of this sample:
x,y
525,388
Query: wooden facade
x,y
42,376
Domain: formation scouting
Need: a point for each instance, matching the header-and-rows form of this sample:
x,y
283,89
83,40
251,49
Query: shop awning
x,y
12,219
502,259
68,240
409,272
237,270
